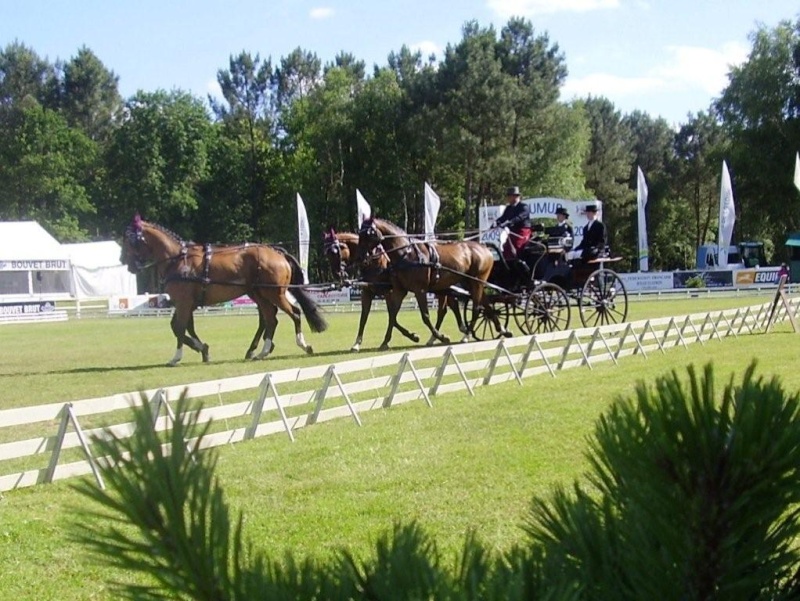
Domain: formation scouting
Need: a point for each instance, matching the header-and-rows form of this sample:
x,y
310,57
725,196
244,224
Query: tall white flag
x,y
641,203
303,237
432,204
797,170
727,216
362,207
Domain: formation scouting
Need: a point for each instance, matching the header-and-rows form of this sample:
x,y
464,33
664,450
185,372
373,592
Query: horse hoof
x,y
204,351
309,350
431,341
445,340
383,347
172,363
414,338
507,334
355,349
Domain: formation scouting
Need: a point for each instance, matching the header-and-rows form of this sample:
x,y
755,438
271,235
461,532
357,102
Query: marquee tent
x,y
33,264
97,271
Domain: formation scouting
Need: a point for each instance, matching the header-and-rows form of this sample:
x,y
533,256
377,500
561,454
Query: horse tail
x,y
310,309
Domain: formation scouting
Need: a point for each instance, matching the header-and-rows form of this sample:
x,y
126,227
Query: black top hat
x,y
512,191
591,208
562,211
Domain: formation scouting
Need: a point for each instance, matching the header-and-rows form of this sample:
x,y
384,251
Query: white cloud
x,y
426,48
606,84
321,12
529,8
212,87
701,68
686,68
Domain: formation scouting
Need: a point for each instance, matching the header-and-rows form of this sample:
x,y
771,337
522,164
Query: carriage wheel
x,y
603,299
484,324
546,310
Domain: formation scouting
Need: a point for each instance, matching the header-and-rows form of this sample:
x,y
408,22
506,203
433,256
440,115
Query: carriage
x,y
539,289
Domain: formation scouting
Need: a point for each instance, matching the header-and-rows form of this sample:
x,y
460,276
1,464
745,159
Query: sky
x,y
668,58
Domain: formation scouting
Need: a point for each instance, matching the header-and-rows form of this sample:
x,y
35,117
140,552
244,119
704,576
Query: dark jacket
x,y
515,216
560,230
594,240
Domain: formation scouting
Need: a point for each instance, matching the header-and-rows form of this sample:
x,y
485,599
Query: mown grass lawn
x,y
468,463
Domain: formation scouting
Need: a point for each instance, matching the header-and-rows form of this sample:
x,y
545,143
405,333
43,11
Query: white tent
x,y
32,262
33,265
97,271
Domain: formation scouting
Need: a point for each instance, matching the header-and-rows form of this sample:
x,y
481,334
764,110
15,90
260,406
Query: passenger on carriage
x,y
563,227
594,241
517,218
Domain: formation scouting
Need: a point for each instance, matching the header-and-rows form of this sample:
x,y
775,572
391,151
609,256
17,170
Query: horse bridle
x,y
332,246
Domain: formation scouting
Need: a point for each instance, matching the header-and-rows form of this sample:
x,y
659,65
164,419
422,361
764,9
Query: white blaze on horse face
x,y
178,356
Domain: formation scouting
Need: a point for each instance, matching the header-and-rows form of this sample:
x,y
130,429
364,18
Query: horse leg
x,y
283,303
259,331
440,313
452,302
422,301
269,317
399,301
183,320
366,304
394,299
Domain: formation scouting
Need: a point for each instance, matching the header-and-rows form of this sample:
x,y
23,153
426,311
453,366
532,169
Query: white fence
x,y
285,401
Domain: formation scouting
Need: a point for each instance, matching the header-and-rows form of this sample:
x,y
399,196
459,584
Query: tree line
x,y
81,160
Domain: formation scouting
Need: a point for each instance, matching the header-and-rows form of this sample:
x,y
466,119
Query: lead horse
x,y
343,255
421,267
195,275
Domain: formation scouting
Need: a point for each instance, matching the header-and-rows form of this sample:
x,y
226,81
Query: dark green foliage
x,y
696,496
692,495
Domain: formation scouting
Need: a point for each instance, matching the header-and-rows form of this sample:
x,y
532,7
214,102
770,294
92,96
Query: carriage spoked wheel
x,y
603,299
484,328
547,309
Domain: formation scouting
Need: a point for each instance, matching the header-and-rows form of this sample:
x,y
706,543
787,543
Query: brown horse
x,y
421,267
344,258
195,275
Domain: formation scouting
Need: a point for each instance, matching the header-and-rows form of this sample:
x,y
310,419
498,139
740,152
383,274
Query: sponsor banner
x,y
37,265
26,308
757,277
646,281
330,297
709,279
138,303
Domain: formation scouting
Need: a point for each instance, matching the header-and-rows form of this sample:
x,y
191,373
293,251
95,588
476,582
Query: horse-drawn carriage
x,y
540,287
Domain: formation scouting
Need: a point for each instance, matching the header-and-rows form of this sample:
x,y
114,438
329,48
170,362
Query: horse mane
x,y
166,231
391,228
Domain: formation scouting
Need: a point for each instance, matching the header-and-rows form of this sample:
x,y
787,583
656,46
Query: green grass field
x,y
470,462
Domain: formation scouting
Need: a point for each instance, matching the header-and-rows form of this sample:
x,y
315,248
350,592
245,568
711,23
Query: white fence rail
x,y
287,400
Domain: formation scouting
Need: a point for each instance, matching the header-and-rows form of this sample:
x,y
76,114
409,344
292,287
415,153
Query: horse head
x,y
370,236
338,254
135,252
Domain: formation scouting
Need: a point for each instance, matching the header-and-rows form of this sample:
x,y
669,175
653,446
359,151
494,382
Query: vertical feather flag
x,y
797,170
303,237
641,203
727,216
432,204
363,210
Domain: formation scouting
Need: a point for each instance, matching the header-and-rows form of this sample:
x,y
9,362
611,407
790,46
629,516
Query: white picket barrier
x,y
400,378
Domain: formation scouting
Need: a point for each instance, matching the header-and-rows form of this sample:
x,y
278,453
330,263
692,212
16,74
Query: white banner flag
x,y
797,170
303,237
641,203
432,204
362,207
727,216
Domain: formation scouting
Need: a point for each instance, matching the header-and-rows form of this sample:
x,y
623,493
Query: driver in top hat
x,y
517,218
